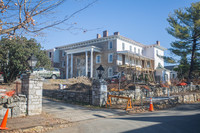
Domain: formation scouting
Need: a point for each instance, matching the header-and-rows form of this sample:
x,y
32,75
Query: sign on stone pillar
x,y
99,92
137,93
32,86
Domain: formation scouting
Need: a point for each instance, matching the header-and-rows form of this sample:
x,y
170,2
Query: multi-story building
x,y
115,53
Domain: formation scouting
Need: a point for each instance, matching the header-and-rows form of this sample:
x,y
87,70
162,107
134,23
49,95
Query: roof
x,y
130,53
170,67
102,39
156,45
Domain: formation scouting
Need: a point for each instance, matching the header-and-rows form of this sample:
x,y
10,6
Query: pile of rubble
x,y
75,84
17,104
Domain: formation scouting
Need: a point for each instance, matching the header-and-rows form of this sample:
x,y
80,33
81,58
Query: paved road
x,y
75,113
182,119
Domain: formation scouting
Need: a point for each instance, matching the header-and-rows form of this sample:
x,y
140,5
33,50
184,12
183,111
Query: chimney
x,y
158,43
116,33
105,33
98,36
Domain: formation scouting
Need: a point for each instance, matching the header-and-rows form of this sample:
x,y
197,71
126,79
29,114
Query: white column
x,y
67,67
91,64
86,63
71,65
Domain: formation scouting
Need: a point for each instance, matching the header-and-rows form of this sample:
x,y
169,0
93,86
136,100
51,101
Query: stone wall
x,y
29,102
177,99
139,93
69,96
17,106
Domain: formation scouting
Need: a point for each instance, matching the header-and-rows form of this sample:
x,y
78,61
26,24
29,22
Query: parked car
x,y
1,77
54,74
116,78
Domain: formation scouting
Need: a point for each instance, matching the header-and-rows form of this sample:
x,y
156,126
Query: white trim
x,y
97,59
91,65
126,52
67,67
103,39
123,46
71,65
131,48
83,49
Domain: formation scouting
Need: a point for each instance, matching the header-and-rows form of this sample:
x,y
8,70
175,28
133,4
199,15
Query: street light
x,y
32,61
100,71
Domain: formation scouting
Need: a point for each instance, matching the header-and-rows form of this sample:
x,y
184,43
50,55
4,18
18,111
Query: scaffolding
x,y
142,70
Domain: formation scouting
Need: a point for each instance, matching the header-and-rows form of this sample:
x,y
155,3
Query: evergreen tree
x,y
15,53
183,68
185,27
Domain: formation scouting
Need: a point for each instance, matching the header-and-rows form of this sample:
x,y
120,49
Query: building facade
x,y
115,53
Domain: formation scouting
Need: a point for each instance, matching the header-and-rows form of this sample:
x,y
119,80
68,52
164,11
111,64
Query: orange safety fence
x,y
128,105
10,93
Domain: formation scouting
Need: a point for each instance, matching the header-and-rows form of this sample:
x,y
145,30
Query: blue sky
x,y
144,21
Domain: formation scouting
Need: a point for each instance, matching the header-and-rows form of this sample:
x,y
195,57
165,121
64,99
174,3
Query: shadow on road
x,y
168,124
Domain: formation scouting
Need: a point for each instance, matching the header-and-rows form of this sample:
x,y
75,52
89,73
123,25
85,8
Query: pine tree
x,y
185,27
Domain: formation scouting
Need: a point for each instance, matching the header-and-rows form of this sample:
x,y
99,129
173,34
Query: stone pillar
x,y
32,87
99,93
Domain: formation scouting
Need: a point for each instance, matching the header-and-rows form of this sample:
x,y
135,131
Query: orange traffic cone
x,y
151,105
3,123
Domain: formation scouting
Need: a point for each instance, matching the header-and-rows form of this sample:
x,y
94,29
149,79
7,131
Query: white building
x,y
115,53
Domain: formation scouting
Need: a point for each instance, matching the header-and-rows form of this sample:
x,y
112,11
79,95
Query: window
x,y
131,61
130,48
110,72
123,46
148,64
98,59
63,63
156,52
110,45
134,49
78,62
137,62
138,51
49,54
110,58
63,53
41,69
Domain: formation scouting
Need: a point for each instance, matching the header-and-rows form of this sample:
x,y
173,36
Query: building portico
x,y
84,50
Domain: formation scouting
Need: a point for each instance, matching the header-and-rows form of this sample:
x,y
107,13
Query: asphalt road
x,y
181,119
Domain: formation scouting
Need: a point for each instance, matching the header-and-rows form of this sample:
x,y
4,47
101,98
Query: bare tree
x,y
20,15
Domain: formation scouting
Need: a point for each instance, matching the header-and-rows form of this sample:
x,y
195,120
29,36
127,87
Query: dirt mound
x,y
76,84
79,87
